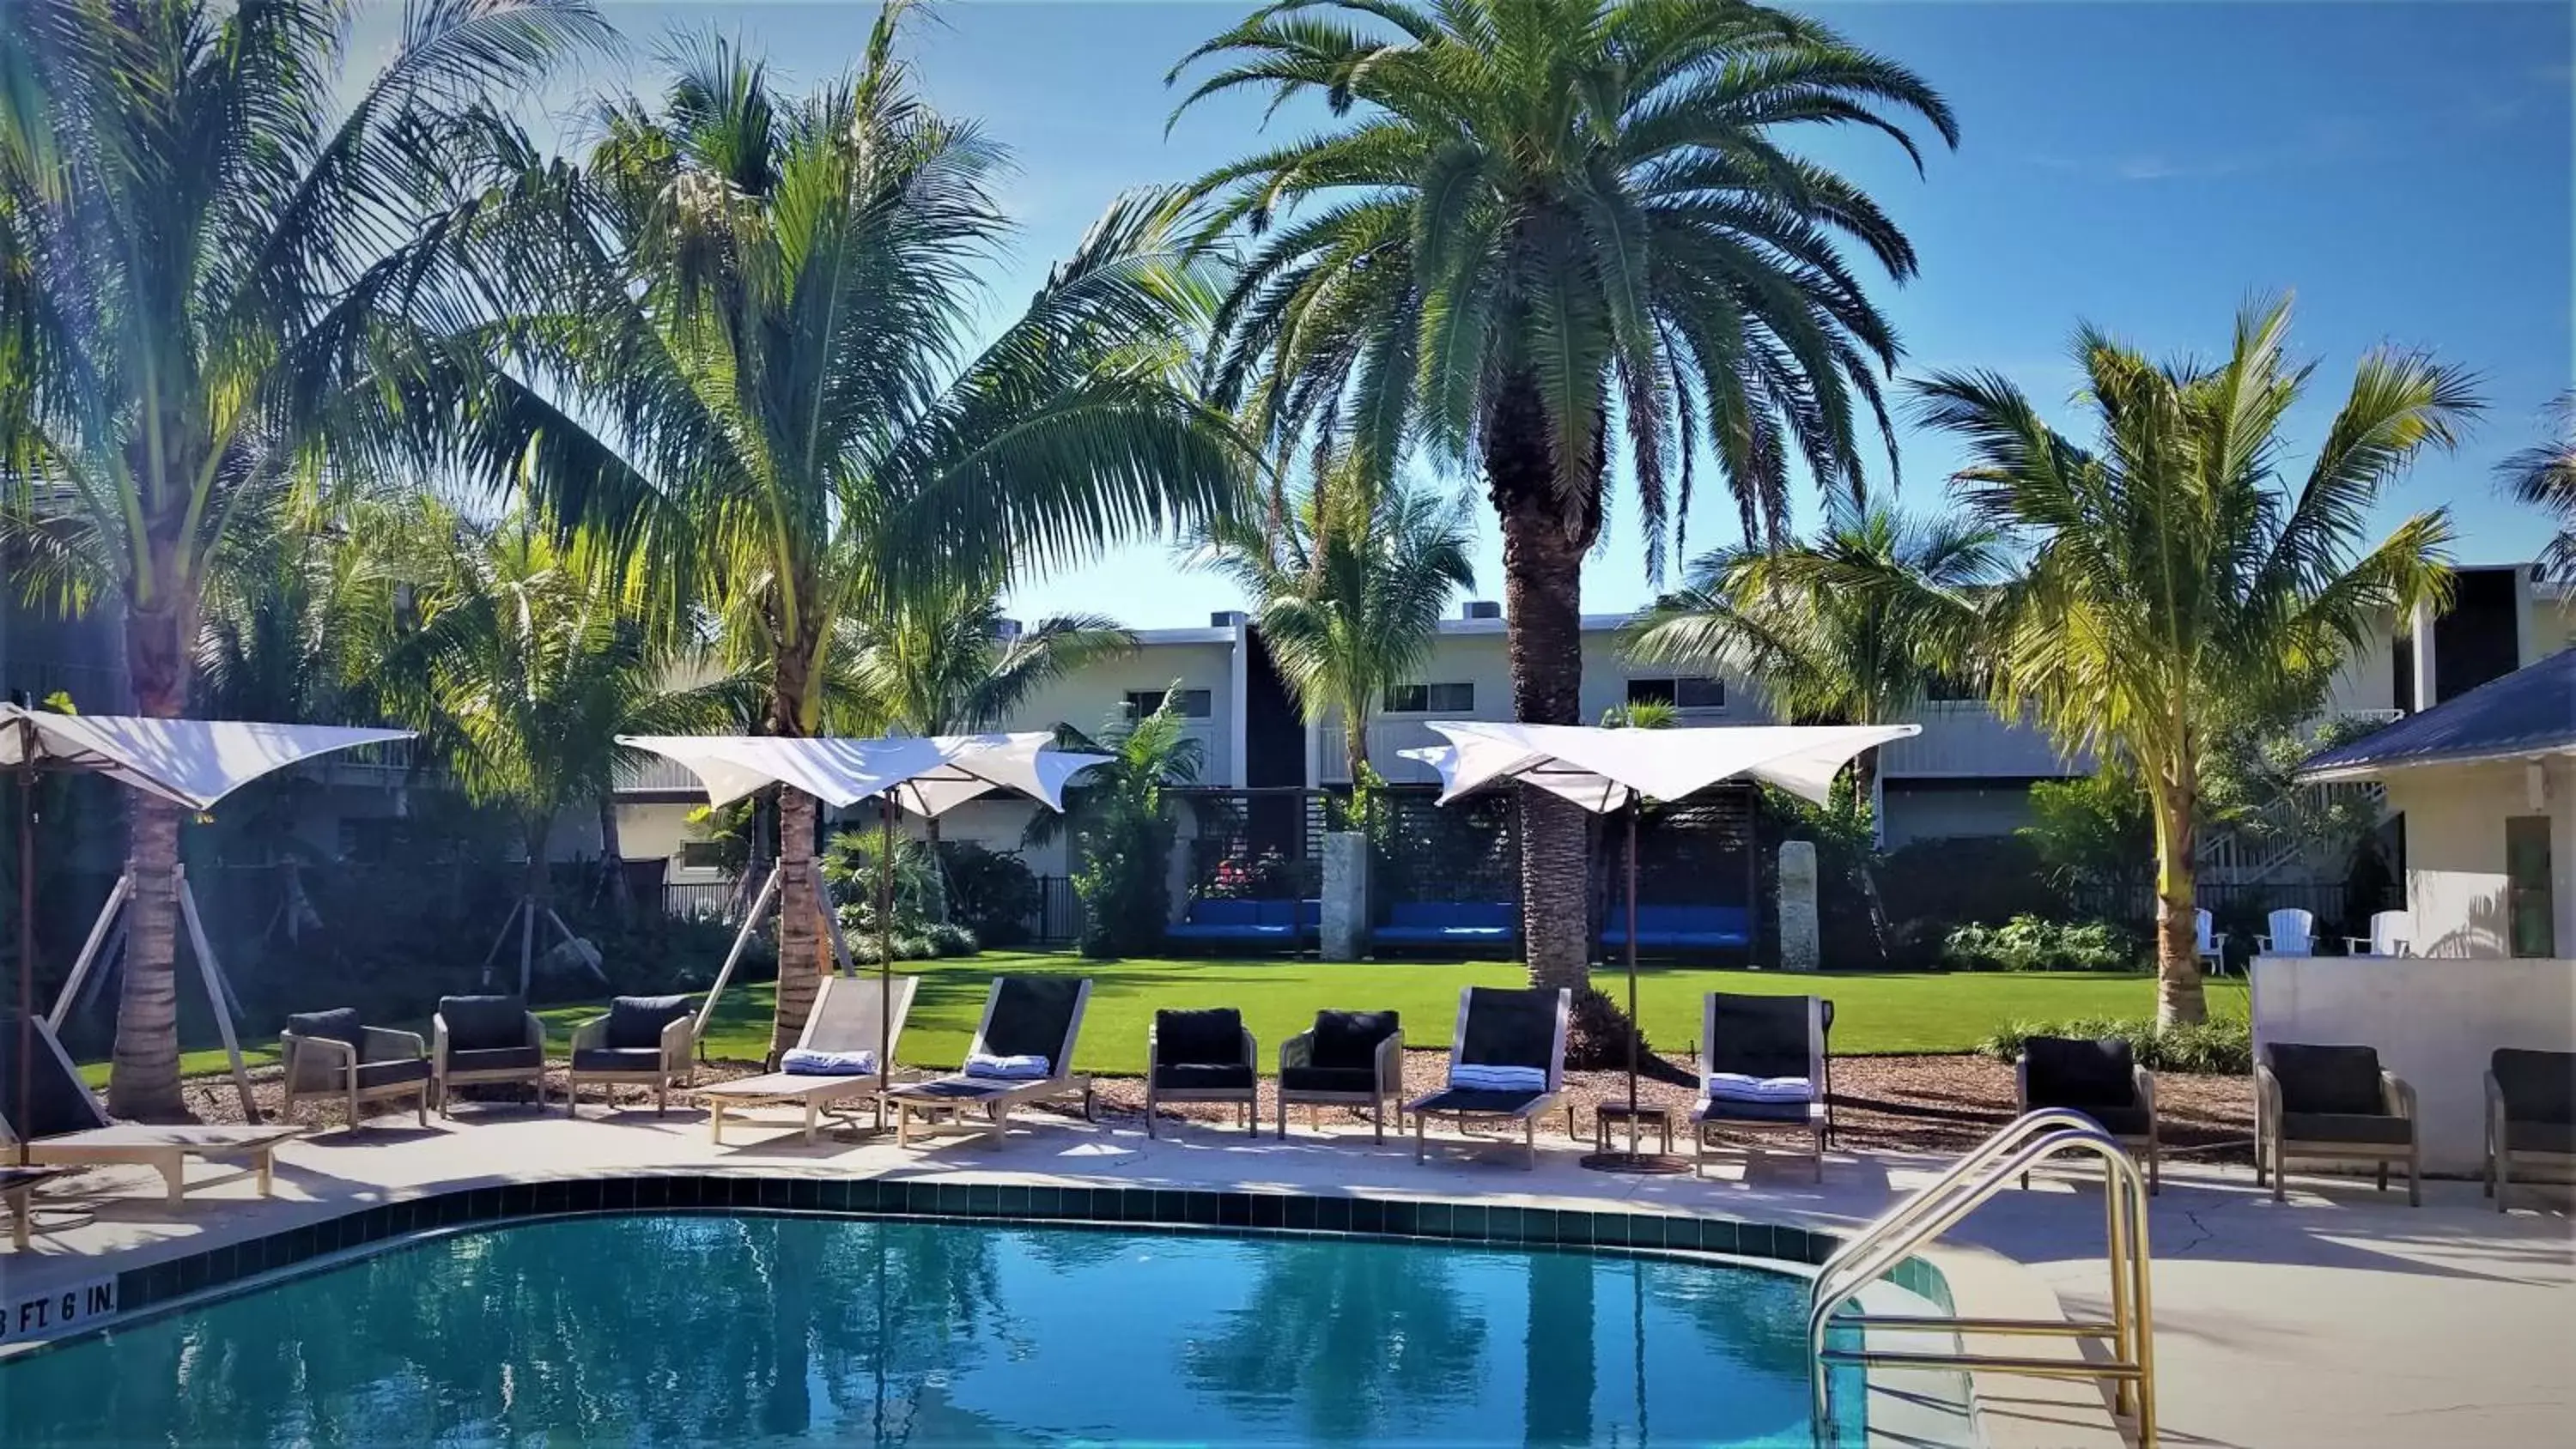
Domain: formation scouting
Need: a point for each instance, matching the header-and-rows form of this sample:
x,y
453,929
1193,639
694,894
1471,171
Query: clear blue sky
x,y
2403,167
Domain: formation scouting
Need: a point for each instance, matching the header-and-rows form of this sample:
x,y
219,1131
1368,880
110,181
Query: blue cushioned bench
x,y
1454,925
1275,924
1681,928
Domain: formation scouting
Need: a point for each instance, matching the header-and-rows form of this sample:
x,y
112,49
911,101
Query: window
x,y
1686,692
2530,901
702,855
1431,699
1187,703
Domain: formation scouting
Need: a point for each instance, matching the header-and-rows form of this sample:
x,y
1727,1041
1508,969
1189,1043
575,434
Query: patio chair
x,y
1506,1063
2392,933
2334,1103
2211,946
2531,1114
2097,1077
840,1031
1030,1025
1761,1070
643,1041
486,1041
1346,1059
1202,1056
2293,933
63,1124
332,1053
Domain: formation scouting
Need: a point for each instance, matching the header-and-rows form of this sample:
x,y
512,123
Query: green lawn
x,y
1875,1014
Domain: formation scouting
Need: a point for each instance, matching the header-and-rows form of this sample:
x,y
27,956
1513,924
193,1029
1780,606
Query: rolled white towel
x,y
1009,1069
801,1062
1480,1078
1738,1087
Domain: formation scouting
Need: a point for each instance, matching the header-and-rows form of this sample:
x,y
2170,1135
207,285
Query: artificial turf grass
x,y
1875,1013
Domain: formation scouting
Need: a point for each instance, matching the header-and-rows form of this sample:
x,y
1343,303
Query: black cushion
x,y
1203,1076
1349,1081
484,1023
2119,1121
2079,1072
393,1073
341,1026
60,1102
2327,1080
496,1059
636,1022
1509,1027
1350,1039
1214,1035
1722,1109
1478,1100
2540,1137
1032,1016
2537,1086
2357,1127
1760,1036
617,1059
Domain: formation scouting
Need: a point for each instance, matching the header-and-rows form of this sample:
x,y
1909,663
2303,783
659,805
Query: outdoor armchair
x,y
2392,933
1755,1053
2531,1114
483,1041
2334,1103
643,1041
2097,1077
330,1053
2292,932
1346,1059
1202,1056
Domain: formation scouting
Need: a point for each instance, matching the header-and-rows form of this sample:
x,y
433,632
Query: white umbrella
x,y
188,762
1603,769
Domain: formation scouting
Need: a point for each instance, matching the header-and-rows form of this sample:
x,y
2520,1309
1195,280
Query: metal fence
x,y
697,900
1059,912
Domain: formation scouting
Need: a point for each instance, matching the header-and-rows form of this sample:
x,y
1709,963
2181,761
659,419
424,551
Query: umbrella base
x,y
1643,1164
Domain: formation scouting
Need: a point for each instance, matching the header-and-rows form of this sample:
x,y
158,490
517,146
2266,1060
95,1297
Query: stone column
x,y
1801,948
1346,911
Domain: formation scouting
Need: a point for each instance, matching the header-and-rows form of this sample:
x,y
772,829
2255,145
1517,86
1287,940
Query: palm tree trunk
x,y
937,905
143,1082
1864,797
2178,991
612,856
1355,761
800,938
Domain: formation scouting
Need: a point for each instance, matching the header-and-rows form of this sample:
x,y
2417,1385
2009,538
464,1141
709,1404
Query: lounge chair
x,y
332,1053
2392,933
1516,1032
17,1186
1025,1017
2210,946
2099,1078
2531,1114
486,1041
1761,1069
1346,1059
1202,1056
2292,932
2332,1102
643,1041
842,1022
64,1125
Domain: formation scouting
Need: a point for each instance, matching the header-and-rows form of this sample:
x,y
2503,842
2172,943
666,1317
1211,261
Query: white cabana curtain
x,y
927,774
188,762
1599,769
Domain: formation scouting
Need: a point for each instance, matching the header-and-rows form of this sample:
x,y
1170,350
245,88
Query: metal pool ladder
x,y
1887,1240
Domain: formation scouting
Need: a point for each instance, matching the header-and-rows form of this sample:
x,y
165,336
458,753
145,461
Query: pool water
x,y
709,1329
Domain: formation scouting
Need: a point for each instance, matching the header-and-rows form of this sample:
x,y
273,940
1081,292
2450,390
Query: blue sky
x,y
2404,168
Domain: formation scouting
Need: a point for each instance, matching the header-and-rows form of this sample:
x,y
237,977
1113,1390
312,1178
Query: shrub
x,y
2221,1047
2030,943
1969,878
991,893
912,943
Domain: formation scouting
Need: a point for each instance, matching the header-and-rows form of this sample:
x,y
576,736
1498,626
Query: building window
x,y
2530,901
1686,692
1431,699
702,855
1187,703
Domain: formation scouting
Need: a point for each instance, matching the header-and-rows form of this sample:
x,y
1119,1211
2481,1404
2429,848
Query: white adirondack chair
x,y
2392,933
2212,948
2293,933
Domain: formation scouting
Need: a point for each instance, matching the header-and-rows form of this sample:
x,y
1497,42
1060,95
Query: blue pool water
x,y
702,1329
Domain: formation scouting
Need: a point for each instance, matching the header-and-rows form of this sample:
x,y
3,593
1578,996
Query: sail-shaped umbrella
x,y
1605,769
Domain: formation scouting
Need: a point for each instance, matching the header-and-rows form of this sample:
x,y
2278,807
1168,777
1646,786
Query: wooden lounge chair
x,y
2531,1114
332,1054
643,1041
2099,1078
1346,1059
1766,1039
17,1187
844,1019
485,1041
1514,1029
1025,1016
1202,1056
2335,1103
64,1124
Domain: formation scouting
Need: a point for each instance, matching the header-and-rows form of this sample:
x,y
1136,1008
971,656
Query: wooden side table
x,y
1648,1115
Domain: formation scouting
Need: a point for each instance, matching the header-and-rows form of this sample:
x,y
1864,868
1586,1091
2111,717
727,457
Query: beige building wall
x,y
2455,850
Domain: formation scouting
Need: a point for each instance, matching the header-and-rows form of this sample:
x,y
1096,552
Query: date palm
x,y
2180,589
1532,223
205,231
2544,476
752,368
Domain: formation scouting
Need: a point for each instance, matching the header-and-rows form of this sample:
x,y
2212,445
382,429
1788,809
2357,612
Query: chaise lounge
x,y
2335,1103
1507,1063
835,1059
1761,1070
64,1125
2531,1114
1022,1053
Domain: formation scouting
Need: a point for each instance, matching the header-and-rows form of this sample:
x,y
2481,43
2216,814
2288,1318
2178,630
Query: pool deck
x,y
2341,1317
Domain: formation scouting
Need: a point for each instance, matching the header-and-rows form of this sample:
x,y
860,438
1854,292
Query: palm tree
x,y
1349,591
1538,220
1122,827
204,238
2178,591
2544,476
752,367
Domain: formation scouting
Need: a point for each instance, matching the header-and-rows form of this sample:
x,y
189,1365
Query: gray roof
x,y
2531,711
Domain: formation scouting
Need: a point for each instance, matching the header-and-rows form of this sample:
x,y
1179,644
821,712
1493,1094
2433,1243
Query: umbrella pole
x,y
1633,804
26,933
885,949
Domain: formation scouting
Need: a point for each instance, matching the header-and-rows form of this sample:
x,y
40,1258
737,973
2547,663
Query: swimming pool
x,y
671,1329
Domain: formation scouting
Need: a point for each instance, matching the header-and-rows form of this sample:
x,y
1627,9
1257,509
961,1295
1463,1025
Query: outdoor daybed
x,y
1681,928
842,1023
64,1124
1030,1023
1279,924
1450,925
1507,1062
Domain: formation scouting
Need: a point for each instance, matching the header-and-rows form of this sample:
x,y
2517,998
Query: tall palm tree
x,y
753,367
1349,591
2178,589
2544,476
205,236
1535,221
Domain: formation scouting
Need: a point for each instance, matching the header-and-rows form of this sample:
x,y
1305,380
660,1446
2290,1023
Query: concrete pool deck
x,y
2341,1317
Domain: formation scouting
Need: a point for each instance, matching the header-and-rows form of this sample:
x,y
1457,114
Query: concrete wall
x,y
2455,851
2433,1022
1090,699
